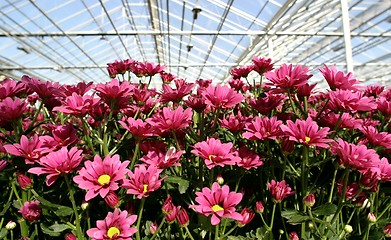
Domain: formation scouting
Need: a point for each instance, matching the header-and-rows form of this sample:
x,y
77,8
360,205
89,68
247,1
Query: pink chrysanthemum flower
x,y
262,65
355,156
345,100
167,77
221,96
346,121
218,202
384,106
216,153
150,68
143,181
171,120
63,135
163,160
80,88
372,136
56,163
116,225
99,177
77,105
307,132
234,123
30,149
138,128
337,79
263,128
182,89
249,158
288,77
44,89
115,94
373,90
279,190
385,169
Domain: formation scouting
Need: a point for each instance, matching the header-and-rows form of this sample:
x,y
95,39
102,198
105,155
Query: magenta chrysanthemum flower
x,y
80,88
99,177
116,225
138,128
240,72
345,100
234,123
249,158
11,88
12,109
143,181
346,121
221,96
218,202
372,136
77,105
171,120
288,77
279,190
263,128
216,153
337,79
150,68
56,163
30,149
163,160
266,104
307,132
384,106
31,211
355,156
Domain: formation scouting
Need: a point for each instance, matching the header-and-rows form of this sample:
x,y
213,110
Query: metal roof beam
x,y
155,22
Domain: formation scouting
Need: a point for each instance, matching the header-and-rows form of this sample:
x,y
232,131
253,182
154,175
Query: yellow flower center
x,y
145,188
212,157
217,208
307,139
103,179
113,232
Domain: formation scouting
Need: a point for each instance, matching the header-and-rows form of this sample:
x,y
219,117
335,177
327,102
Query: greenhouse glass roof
x,y
71,41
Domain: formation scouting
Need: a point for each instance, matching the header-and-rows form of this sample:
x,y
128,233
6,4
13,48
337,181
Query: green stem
x,y
384,211
342,199
272,220
332,185
135,154
188,232
292,104
312,217
304,175
140,214
217,232
79,233
229,232
36,114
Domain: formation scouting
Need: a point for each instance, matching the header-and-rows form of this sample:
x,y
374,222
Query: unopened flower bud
x,y
182,217
293,236
112,199
311,225
220,179
10,225
24,181
259,207
247,215
371,217
153,227
348,228
70,236
387,230
365,204
168,206
309,200
3,164
280,231
84,205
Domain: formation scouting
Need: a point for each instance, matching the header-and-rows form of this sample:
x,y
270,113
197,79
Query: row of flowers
x,y
266,156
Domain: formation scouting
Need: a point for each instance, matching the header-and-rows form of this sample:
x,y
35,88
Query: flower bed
x,y
264,157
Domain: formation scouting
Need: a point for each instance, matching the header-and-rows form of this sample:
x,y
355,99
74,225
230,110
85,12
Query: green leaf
x,y
16,204
264,233
64,211
294,217
237,238
46,203
3,233
55,229
183,184
325,210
